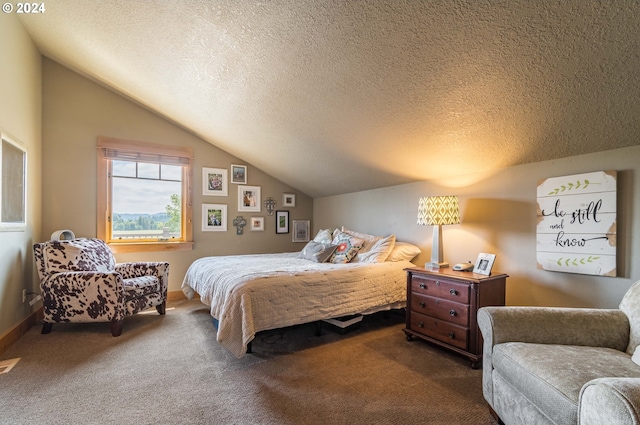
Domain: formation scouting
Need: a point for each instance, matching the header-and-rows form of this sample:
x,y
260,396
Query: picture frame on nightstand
x,y
484,264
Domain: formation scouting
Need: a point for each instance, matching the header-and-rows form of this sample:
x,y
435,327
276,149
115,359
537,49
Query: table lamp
x,y
437,211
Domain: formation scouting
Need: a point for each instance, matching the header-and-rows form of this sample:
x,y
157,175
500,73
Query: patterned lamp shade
x,y
438,210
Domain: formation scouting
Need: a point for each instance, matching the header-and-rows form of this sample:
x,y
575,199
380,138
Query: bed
x,y
252,293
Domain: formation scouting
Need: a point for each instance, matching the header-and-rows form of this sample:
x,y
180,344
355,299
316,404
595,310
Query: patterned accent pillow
x,y
318,252
78,255
348,247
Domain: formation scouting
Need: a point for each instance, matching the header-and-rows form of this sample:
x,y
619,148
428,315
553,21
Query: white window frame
x,y
111,148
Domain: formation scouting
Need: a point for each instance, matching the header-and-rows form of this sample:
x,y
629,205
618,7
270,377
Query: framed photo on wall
x,y
282,221
214,182
484,263
249,198
257,224
238,174
13,185
214,218
288,200
300,230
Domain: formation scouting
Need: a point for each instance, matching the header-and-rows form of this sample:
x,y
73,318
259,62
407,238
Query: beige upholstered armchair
x,y
563,365
81,282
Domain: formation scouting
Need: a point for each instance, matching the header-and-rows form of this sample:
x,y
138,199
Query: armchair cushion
x,y
551,376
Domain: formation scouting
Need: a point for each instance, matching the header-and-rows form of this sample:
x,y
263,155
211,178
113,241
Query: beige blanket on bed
x,y
252,293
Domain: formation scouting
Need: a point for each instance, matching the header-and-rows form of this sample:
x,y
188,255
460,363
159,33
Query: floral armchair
x,y
81,282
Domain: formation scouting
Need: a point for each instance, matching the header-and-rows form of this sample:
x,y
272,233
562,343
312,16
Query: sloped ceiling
x,y
338,96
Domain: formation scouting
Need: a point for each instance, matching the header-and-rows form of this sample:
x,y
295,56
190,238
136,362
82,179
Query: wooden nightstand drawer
x,y
440,330
441,309
458,292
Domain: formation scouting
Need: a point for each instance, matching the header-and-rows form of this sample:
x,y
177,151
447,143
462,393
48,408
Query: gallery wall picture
x,y
249,198
214,218
576,223
238,174
214,182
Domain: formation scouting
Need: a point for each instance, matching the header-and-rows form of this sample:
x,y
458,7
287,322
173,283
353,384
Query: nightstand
x,y
442,307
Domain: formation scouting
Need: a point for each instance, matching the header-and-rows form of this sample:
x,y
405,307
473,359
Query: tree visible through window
x,y
143,193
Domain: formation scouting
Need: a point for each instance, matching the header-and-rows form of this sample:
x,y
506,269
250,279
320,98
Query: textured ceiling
x,y
341,96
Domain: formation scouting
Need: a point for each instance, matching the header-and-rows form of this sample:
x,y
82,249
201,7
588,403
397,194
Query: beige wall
x,y
499,216
20,117
77,111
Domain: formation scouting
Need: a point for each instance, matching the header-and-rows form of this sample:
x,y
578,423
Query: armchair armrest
x,y
138,269
83,297
548,325
611,401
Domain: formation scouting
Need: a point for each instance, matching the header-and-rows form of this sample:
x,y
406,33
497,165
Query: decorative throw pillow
x,y
403,251
317,252
630,305
347,248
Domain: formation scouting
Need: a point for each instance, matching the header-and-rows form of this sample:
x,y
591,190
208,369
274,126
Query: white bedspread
x,y
252,293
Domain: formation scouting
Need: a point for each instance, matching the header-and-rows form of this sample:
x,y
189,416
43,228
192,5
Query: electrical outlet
x,y
24,296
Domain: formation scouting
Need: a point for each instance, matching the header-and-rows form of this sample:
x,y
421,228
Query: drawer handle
x,y
422,304
437,283
423,286
453,292
452,335
452,312
420,325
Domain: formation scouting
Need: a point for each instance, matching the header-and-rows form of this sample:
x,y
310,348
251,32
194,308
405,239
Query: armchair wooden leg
x,y
116,327
46,327
162,308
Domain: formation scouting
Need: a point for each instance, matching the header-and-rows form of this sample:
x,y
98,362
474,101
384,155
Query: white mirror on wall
x,y
13,185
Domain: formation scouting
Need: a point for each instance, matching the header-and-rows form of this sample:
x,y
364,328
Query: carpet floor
x,y
170,370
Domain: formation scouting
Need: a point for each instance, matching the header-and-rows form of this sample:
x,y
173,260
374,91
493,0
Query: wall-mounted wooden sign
x,y
576,231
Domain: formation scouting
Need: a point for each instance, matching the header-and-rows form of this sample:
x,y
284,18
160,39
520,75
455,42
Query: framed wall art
x,y
13,185
282,221
214,218
576,223
249,198
288,200
214,182
238,174
257,224
300,230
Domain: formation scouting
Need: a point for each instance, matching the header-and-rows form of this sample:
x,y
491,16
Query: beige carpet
x,y
170,370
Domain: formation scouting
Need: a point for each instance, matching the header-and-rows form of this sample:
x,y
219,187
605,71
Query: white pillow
x,y
403,251
375,249
324,236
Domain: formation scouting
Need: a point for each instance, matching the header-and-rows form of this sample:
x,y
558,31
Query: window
x,y
13,185
144,196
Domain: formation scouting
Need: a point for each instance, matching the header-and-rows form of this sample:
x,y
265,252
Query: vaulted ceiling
x,y
338,96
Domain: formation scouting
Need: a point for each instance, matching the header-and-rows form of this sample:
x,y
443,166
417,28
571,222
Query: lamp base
x,y
433,265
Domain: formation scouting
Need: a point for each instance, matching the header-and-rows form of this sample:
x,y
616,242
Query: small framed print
x,y
282,221
288,200
238,174
300,230
214,218
257,224
249,198
484,263
214,182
